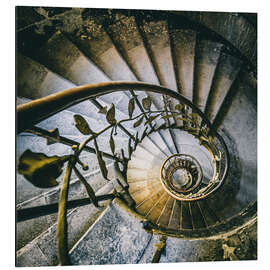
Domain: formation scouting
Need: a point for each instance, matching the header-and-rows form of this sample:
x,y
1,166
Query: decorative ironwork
x,y
181,174
160,247
42,170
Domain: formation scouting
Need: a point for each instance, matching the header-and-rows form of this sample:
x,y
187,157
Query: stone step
x,y
43,83
184,42
62,57
240,187
156,36
79,220
206,60
117,237
97,46
227,71
30,229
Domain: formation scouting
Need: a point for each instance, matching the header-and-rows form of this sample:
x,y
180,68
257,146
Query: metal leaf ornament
x,y
82,125
179,107
41,170
131,107
110,116
101,162
137,123
195,118
146,102
103,110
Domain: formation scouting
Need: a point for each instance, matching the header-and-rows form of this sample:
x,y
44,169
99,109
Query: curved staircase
x,y
205,64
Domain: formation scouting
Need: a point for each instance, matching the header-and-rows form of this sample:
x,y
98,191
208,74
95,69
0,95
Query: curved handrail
x,y
33,112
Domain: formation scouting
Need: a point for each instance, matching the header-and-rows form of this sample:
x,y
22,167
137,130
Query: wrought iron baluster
x,y
159,249
62,225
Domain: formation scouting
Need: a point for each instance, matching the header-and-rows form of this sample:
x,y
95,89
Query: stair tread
x,y
128,40
61,56
164,218
157,37
184,41
144,207
206,60
42,84
97,46
227,70
114,222
186,216
174,222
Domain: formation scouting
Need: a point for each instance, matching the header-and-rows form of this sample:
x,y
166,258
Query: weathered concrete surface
x,y
117,237
206,60
42,82
156,33
28,230
227,71
240,245
79,221
232,27
184,50
239,130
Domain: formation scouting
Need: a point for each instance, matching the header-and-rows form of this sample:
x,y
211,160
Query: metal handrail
x,y
30,114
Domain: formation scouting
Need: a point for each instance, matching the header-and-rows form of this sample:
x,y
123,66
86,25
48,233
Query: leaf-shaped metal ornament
x,y
82,125
131,107
103,110
39,169
195,118
179,107
137,123
110,116
112,144
101,162
146,102
151,119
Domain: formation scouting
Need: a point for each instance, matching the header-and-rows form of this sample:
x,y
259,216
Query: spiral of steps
x,y
210,59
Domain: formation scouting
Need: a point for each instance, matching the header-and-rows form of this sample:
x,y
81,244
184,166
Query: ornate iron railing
x,y
177,113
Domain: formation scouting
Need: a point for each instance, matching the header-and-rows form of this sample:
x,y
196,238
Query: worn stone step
x,y
28,230
184,41
226,72
43,83
127,39
240,187
125,245
79,220
76,67
206,60
174,222
97,46
64,58
158,44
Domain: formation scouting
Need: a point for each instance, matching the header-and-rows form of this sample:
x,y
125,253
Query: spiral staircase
x,y
173,177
